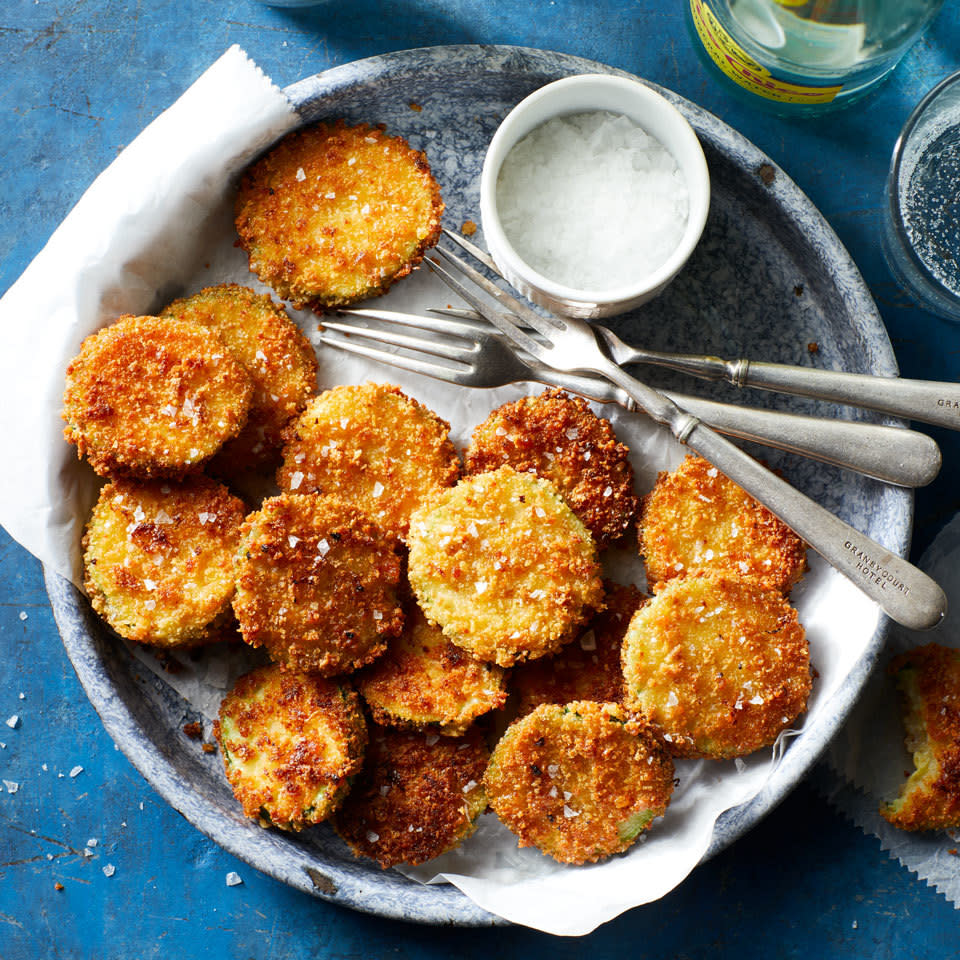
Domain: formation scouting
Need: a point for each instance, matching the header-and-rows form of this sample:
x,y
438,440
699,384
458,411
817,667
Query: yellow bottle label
x,y
734,61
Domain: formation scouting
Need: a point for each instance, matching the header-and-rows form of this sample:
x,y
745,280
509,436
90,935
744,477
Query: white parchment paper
x,y
157,224
868,759
144,223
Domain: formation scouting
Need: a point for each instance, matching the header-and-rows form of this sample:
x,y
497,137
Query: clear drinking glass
x,y
921,237
807,56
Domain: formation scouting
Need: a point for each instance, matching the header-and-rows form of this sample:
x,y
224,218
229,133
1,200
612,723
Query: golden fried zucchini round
x,y
560,438
720,665
579,781
589,667
149,397
277,356
291,743
158,558
334,214
695,518
929,681
425,680
504,566
373,446
317,584
418,796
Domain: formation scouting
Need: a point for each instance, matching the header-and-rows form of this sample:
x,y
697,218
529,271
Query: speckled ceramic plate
x,y
768,278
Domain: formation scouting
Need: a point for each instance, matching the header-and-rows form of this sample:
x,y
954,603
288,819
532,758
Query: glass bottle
x,y
806,56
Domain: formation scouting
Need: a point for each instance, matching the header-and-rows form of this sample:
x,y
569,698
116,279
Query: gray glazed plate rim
x,y
366,888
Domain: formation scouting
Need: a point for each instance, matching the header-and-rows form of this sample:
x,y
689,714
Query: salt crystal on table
x,y
11,785
109,870
13,721
23,614
233,879
76,771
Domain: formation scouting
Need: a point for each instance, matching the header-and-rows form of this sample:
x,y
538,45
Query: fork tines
x,y
451,321
424,355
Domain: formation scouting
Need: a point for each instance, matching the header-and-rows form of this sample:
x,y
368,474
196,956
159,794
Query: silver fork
x,y
927,401
568,344
481,358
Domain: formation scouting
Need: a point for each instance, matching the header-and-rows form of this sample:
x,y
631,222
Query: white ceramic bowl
x,y
658,118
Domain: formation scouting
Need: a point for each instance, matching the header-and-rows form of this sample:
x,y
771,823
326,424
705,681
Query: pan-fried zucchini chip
x,y
504,566
929,680
720,665
334,214
291,744
581,781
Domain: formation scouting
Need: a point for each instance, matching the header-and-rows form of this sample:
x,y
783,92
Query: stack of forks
x,y
501,340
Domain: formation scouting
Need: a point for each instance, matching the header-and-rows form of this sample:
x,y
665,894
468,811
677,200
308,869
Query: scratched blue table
x,y
80,79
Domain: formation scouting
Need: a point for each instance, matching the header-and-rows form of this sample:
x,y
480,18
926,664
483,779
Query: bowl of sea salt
x,y
594,193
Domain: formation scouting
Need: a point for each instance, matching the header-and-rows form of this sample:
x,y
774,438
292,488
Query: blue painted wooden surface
x,y
80,79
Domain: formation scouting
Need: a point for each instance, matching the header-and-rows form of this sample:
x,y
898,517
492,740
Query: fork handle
x,y
903,457
924,400
903,592
927,401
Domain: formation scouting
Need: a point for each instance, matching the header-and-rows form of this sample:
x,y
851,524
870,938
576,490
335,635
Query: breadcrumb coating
x,y
317,584
150,397
334,214
695,518
929,681
559,437
589,667
579,782
721,665
277,356
424,680
373,446
158,559
418,796
291,743
504,567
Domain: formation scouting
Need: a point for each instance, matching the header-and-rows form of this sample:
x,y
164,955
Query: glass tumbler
x,y
803,57
921,235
